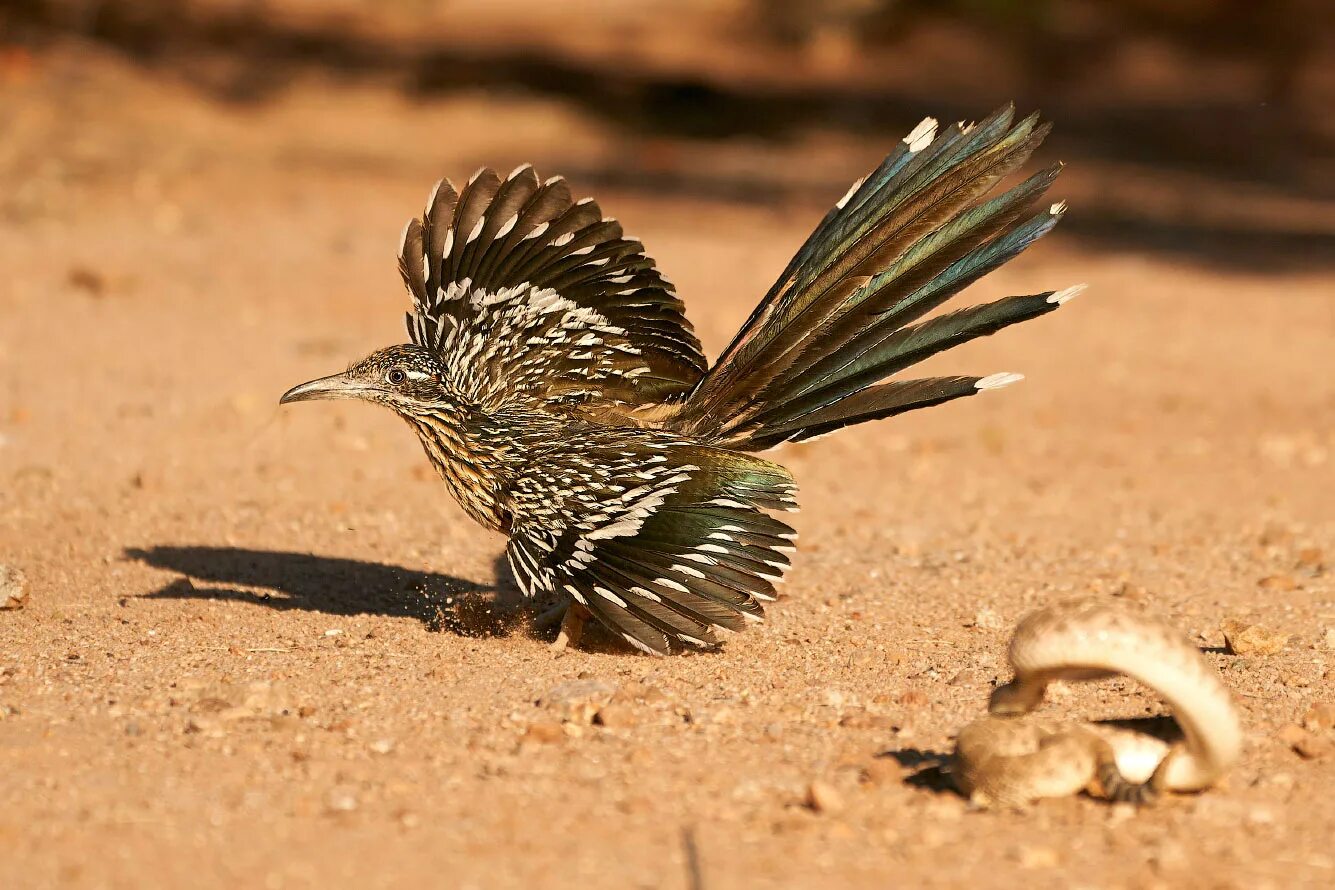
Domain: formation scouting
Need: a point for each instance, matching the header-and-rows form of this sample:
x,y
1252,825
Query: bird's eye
x,y
396,376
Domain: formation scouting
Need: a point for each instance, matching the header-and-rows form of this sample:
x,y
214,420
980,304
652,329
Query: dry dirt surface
x,y
263,648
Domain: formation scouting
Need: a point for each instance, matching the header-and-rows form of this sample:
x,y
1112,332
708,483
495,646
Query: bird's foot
x,y
572,627
551,617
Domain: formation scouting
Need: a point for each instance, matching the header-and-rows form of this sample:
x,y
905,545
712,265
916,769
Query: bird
x,y
563,397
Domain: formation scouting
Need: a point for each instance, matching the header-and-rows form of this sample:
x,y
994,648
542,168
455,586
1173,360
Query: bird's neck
x,y
480,455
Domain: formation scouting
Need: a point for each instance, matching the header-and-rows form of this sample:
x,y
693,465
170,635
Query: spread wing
x,y
663,540
527,293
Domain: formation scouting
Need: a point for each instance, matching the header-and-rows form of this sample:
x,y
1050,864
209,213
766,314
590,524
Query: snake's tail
x,y
1117,788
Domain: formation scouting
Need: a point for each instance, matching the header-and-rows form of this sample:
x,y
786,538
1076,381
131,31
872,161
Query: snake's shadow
x,y
1162,727
336,586
929,770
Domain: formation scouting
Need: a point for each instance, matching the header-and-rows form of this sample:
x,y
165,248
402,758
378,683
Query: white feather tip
x,y
997,381
922,135
1062,297
848,194
431,198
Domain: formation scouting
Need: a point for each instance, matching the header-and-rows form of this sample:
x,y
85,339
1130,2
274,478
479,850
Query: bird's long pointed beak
x,y
335,386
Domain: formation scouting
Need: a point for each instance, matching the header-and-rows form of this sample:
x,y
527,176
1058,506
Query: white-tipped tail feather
x,y
848,194
922,135
1062,297
998,380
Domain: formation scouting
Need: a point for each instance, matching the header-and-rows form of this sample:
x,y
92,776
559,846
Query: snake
x,y
1013,756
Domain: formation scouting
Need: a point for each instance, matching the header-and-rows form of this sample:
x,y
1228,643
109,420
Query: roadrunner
x,y
560,392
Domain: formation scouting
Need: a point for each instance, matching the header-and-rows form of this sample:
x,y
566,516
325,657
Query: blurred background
x,y
264,647
1203,128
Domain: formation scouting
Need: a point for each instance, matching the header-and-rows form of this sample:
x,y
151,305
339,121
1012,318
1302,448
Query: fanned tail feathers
x,y
846,313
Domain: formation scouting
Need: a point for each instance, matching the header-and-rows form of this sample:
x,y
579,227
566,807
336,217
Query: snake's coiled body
x,y
1012,757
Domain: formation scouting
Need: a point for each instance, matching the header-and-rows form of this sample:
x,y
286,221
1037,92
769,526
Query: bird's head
x,y
405,378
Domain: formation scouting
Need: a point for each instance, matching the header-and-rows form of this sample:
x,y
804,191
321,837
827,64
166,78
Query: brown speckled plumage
x,y
561,394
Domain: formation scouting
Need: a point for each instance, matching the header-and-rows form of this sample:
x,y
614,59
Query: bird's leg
x,y
551,617
572,627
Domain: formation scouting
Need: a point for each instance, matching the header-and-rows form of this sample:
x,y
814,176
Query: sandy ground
x,y
264,648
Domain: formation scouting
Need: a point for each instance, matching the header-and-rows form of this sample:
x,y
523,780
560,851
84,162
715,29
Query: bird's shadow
x,y
336,586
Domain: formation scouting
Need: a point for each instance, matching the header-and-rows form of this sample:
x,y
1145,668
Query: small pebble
x,y
545,732
1311,559
1242,638
88,280
987,618
203,726
577,701
341,800
1305,744
1121,812
1277,582
1038,857
1295,679
1261,816
822,798
882,771
1133,592
835,698
945,808
1281,780
13,588
1320,717
969,676
863,719
382,746
913,698
1167,856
